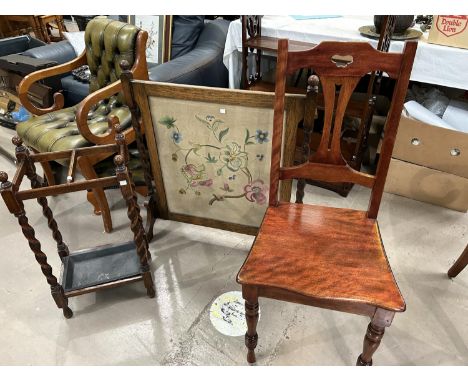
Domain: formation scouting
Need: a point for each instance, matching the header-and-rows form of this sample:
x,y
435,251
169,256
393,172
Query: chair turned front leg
x,y
372,340
251,316
460,264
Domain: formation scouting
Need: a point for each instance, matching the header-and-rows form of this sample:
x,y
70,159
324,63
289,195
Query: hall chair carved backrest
x,y
108,43
361,106
331,258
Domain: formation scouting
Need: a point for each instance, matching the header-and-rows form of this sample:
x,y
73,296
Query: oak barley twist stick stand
x,y
126,77
76,277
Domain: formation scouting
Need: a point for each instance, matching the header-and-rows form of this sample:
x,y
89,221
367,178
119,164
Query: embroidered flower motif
x,y
206,183
261,136
210,118
233,157
192,172
256,192
176,136
195,175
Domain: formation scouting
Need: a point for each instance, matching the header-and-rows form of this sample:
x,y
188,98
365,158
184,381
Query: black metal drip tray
x,y
100,265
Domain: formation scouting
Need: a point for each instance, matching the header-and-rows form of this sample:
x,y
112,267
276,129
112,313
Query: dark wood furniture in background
x,y
252,40
14,67
331,258
47,24
354,143
40,25
15,25
82,270
459,265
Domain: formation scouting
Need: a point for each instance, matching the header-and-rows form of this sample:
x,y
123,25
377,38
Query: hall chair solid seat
x,y
327,257
324,244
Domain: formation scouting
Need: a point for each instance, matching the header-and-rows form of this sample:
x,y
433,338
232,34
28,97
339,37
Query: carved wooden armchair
x,y
331,258
108,44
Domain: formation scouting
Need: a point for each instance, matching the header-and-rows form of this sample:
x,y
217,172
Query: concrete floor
x,y
193,265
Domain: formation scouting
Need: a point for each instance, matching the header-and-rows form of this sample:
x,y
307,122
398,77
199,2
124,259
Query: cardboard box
x,y
430,164
432,146
450,31
427,185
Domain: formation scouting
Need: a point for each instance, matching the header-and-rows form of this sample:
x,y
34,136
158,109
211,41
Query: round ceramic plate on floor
x,y
227,314
409,34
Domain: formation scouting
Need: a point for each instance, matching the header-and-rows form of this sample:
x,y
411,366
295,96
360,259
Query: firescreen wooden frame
x,y
142,91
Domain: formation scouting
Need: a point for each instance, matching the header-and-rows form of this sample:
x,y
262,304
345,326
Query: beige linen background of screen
x,y
214,158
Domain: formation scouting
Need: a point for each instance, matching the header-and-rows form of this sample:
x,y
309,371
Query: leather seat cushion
x,y
58,130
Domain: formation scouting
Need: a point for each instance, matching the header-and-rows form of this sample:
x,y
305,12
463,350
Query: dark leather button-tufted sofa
x,y
198,64
18,44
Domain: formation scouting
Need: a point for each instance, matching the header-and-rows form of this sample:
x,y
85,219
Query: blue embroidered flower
x,y
176,137
261,136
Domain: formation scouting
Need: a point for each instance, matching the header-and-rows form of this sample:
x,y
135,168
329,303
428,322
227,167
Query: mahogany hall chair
x,y
331,258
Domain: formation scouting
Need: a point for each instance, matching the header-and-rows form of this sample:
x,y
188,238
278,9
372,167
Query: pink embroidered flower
x,y
192,172
256,192
206,183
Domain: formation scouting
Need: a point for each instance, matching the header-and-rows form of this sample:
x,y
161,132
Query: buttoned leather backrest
x,y
108,42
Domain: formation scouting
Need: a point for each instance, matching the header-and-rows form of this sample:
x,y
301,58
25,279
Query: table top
x,y
434,64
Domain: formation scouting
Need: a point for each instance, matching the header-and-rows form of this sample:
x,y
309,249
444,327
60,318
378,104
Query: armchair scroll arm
x,y
82,116
30,79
